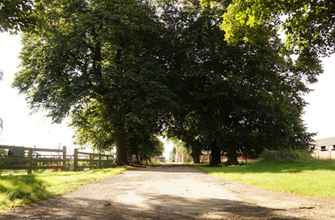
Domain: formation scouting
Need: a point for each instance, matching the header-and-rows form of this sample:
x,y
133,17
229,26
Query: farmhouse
x,y
325,144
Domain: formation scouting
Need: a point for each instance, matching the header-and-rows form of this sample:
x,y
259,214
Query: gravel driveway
x,y
173,192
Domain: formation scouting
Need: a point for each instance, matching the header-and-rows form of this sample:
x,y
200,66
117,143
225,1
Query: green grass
x,y
308,178
19,189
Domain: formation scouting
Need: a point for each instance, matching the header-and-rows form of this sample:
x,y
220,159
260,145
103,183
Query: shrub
x,y
286,155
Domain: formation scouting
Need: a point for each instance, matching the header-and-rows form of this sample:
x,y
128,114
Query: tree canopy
x,y
308,24
97,51
15,14
214,74
233,96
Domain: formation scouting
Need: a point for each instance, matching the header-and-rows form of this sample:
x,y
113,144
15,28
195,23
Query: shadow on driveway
x,y
160,207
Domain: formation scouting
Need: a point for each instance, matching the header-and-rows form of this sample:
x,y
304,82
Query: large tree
x,y
140,70
240,94
105,51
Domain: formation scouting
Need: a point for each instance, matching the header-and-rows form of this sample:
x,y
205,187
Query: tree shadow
x,y
164,207
22,188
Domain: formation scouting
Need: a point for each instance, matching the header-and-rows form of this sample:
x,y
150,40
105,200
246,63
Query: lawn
x,y
309,178
18,189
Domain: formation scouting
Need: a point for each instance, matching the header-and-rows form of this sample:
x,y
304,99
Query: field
x,y
308,178
19,189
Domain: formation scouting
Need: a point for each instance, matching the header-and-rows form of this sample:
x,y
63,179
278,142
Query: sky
x,y
24,127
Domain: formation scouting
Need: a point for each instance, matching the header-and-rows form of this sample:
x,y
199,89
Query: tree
x,y
238,93
147,148
126,70
184,127
91,128
307,25
102,51
180,153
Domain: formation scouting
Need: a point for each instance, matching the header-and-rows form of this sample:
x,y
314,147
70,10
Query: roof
x,y
330,141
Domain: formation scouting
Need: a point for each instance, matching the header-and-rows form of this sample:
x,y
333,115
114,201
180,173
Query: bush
x,y
286,155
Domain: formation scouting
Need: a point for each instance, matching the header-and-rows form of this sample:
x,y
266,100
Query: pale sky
x,y
22,127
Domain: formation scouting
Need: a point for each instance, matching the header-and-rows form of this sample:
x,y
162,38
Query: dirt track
x,y
173,193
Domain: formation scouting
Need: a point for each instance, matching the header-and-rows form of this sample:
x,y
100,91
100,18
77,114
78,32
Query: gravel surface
x,y
173,192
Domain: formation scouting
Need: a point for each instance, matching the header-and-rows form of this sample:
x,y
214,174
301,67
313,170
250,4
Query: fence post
x,y
75,159
91,157
64,157
100,164
30,161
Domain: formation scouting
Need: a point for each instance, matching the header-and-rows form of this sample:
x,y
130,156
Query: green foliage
x,y
286,155
146,148
91,128
305,178
306,23
103,52
234,95
179,148
127,70
15,14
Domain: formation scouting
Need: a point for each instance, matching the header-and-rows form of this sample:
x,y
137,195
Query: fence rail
x,y
20,157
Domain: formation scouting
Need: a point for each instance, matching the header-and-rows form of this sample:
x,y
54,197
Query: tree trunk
x,y
215,157
137,158
231,155
121,149
196,155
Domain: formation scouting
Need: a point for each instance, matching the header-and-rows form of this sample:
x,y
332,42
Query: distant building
x,y
324,148
324,144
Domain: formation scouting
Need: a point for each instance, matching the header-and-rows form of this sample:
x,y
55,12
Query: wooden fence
x,y
84,160
16,157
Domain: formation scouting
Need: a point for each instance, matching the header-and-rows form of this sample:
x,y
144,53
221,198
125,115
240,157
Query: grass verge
x,y
19,189
306,178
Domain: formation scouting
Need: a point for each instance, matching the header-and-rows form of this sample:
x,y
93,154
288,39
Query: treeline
x,y
214,74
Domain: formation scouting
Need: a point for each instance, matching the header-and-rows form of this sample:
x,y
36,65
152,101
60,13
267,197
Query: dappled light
x,y
176,208
173,109
170,195
15,190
